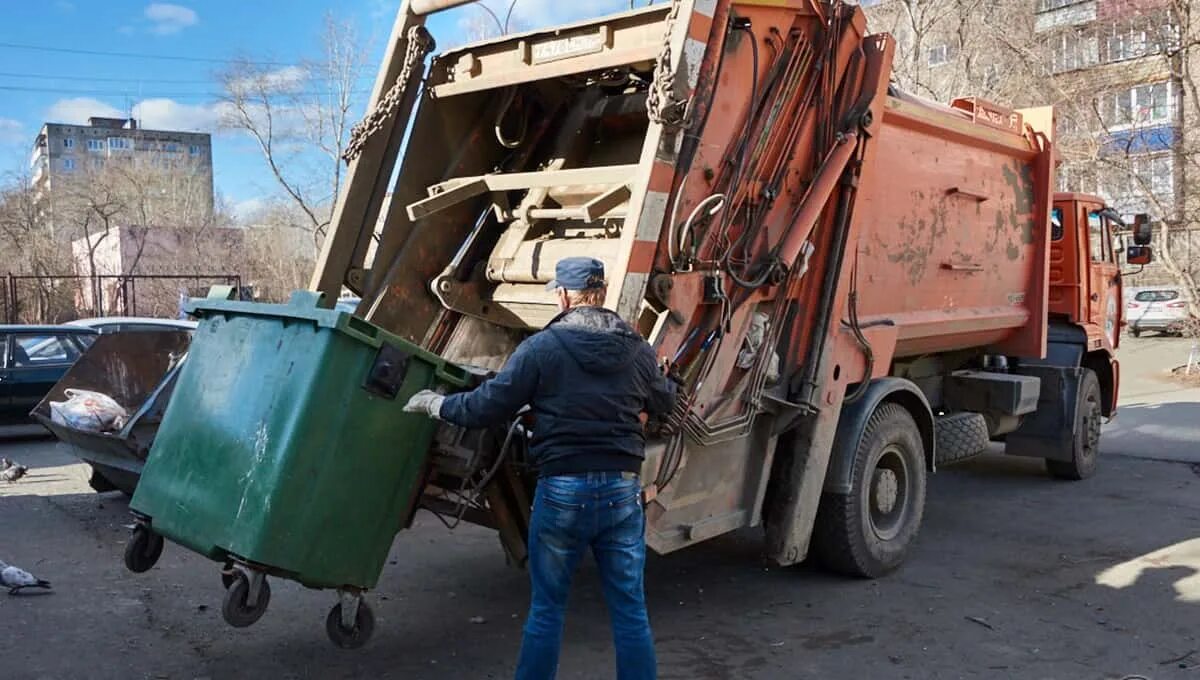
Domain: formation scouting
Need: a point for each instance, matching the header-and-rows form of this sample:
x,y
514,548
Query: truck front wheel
x,y
1085,443
868,531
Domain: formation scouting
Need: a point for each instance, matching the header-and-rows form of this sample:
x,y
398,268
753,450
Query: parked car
x,y
1158,308
126,324
32,360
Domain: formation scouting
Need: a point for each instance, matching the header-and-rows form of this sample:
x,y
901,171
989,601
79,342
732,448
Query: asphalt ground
x,y
1014,575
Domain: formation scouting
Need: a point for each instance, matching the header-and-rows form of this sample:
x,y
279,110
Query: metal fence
x,y
36,299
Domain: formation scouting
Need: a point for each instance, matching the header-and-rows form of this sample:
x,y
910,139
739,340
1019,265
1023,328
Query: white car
x,y
1156,308
124,324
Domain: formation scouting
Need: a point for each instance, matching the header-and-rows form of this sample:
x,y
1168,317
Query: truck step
x,y
960,436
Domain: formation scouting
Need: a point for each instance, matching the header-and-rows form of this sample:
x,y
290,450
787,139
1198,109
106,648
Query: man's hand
x,y
671,371
427,402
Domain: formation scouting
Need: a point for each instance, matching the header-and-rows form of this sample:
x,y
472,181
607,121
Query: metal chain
x,y
661,106
420,42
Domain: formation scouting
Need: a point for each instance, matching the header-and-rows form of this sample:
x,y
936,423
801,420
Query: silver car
x,y
126,324
1158,308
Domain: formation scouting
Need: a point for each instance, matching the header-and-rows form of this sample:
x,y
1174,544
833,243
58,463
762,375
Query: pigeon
x,y
13,472
17,579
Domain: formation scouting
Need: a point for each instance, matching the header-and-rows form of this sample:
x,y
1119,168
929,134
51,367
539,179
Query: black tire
x,y
866,533
100,483
121,480
960,436
364,627
1085,444
1135,332
143,549
234,608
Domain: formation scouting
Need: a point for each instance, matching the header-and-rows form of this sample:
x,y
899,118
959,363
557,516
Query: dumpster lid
x,y
304,306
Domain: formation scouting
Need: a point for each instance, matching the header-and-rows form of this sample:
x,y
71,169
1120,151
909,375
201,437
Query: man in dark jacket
x,y
587,377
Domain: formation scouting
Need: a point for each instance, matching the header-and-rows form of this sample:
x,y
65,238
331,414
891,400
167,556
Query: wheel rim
x,y
889,493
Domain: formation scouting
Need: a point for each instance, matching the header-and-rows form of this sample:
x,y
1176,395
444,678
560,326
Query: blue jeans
x,y
603,511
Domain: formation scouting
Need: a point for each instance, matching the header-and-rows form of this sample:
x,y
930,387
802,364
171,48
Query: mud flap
x,y
1048,432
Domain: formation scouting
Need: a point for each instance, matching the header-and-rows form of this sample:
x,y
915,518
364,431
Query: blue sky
x,y
39,85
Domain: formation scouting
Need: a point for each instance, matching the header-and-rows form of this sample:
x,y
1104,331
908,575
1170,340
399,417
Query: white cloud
x,y
64,6
77,110
248,210
168,114
11,131
156,114
286,79
166,18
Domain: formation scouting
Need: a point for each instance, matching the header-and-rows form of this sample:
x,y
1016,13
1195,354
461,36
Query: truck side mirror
x,y
1142,231
1140,255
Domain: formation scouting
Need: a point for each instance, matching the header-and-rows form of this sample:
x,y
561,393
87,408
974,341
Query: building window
x,y
1139,38
991,77
95,144
194,149
1047,5
1068,126
171,147
68,164
1127,44
1148,104
69,143
1142,184
1070,51
941,54
1157,173
120,143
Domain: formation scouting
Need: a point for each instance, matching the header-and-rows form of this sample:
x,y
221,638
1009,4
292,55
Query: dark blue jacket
x,y
587,376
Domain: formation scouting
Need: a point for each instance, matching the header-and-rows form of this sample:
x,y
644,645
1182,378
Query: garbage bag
x,y
88,410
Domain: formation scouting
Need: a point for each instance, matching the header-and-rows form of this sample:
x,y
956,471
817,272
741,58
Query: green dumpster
x,y
285,451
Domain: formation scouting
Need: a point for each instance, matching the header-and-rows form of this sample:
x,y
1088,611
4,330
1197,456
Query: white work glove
x,y
427,402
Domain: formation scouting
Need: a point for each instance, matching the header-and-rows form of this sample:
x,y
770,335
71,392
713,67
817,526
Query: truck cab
x,y
1085,291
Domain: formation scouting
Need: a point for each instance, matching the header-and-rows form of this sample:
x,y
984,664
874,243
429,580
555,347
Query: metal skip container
x,y
284,451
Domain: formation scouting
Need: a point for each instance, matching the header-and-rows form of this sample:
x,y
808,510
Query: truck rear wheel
x,y
1085,444
868,531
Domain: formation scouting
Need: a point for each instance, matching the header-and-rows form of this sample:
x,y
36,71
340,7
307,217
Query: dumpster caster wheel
x,y
237,607
350,638
143,549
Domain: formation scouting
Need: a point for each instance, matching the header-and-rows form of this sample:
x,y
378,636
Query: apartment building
x,y
1121,125
149,175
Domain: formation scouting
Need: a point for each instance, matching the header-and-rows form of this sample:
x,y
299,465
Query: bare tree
x,y
291,111
27,248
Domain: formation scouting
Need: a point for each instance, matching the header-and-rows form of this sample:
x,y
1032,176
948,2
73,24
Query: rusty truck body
x,y
855,285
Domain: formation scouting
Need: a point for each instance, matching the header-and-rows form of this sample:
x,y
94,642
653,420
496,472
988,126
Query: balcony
x,y
1052,14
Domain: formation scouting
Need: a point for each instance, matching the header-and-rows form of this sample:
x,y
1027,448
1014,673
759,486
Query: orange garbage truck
x,y
856,285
